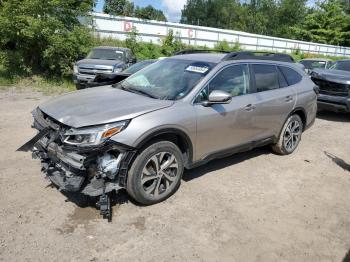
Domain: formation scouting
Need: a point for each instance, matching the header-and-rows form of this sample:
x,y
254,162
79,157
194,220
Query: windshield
x,y
313,64
106,54
168,79
341,65
138,66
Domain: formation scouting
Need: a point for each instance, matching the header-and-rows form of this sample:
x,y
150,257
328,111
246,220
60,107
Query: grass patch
x,y
38,84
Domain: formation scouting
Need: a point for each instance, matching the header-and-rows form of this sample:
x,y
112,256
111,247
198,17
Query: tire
x,y
148,182
287,141
79,86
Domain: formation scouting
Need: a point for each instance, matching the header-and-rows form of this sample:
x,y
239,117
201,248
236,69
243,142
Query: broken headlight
x,y
91,136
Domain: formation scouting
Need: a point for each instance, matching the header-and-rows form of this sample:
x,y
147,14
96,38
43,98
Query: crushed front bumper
x,y
333,103
92,170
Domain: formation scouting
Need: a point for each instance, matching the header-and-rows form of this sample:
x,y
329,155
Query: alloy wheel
x,y
292,135
159,174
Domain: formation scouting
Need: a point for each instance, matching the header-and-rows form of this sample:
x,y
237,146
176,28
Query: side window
x,y
291,75
266,77
233,80
128,55
281,79
203,95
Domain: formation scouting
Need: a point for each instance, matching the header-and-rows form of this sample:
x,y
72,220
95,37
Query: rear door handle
x,y
288,98
250,107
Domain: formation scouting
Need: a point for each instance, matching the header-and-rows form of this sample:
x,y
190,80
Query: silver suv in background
x,y
175,114
102,60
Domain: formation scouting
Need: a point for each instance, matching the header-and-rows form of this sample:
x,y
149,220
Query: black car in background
x,y
334,86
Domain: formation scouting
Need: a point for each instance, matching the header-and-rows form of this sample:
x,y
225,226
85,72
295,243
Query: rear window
x,y
291,75
266,77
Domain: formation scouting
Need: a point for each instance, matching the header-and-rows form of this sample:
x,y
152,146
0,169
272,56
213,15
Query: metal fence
x,y
153,31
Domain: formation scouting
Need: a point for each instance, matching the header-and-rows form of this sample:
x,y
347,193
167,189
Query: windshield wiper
x,y
134,90
141,92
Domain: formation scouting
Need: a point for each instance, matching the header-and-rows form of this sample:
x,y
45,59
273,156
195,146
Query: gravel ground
x,y
255,206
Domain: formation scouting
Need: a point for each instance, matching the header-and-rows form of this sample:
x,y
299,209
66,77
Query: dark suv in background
x,y
334,86
102,60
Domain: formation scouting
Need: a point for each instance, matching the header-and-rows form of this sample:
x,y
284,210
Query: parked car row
x,y
147,124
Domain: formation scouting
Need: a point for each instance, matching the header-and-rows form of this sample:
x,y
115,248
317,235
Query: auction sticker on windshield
x,y
197,69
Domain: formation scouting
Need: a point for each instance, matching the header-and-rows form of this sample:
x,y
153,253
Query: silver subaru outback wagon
x,y
180,112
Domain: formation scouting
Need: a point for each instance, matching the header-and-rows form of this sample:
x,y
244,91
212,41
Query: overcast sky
x,y
171,8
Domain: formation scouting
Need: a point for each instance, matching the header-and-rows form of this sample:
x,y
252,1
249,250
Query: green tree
x,y
291,13
43,38
269,17
327,23
150,13
127,8
195,12
119,7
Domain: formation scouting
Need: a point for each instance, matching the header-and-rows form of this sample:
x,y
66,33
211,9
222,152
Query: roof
x,y
111,48
203,57
316,59
229,56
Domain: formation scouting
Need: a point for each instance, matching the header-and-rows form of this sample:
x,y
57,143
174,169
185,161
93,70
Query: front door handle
x,y
250,107
289,98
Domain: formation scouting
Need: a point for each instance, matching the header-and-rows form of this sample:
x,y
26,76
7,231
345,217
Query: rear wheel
x,y
290,136
156,173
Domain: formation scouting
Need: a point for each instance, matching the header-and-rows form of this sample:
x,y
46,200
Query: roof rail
x,y
259,56
196,51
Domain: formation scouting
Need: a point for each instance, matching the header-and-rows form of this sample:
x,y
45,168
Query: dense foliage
x,y
45,38
327,21
127,8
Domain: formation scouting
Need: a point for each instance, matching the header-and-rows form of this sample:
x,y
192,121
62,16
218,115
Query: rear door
x,y
274,100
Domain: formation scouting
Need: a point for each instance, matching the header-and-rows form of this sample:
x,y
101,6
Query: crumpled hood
x,y
99,62
100,105
337,76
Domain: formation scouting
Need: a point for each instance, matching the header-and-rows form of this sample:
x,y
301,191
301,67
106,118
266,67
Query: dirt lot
x,y
255,206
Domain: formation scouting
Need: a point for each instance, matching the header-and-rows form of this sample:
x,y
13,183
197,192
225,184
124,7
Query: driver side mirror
x,y
218,97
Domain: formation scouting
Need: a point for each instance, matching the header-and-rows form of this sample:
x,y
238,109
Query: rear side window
x,y
266,77
291,75
282,80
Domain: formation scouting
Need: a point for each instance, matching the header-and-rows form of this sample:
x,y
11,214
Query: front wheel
x,y
80,86
156,173
290,136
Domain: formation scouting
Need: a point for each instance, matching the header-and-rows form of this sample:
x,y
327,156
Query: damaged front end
x,y
81,160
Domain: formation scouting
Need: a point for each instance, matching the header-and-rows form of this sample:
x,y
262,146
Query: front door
x,y
224,126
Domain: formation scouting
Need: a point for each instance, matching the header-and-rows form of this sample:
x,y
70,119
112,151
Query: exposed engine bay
x,y
92,170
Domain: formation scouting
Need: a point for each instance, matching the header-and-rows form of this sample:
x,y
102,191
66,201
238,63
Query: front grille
x,y
331,88
94,71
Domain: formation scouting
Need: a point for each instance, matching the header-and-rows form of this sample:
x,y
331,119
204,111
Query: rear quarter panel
x,y
307,99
